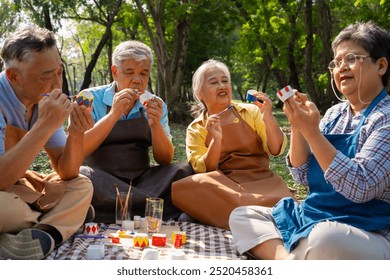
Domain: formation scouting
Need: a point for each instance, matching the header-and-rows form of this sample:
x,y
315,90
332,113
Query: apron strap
x,y
375,102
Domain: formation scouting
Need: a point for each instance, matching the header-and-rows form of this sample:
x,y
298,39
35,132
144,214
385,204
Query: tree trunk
x,y
308,68
47,19
49,26
278,75
156,45
294,76
106,36
109,53
325,32
169,69
179,59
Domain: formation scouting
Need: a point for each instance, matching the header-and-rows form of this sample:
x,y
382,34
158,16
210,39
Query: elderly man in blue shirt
x,y
117,148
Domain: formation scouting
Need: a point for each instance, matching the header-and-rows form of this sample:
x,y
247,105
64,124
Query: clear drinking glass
x,y
123,208
154,214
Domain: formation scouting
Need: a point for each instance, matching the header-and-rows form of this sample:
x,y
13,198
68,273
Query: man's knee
x,y
15,214
81,184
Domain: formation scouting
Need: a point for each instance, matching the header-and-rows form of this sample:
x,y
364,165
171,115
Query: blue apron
x,y
295,221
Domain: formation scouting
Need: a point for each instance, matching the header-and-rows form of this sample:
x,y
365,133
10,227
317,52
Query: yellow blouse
x,y
196,134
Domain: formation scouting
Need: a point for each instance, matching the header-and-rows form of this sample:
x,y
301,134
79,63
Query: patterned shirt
x,y
367,175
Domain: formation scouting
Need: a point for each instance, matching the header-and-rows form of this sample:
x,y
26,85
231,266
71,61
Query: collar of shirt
x,y
202,118
109,93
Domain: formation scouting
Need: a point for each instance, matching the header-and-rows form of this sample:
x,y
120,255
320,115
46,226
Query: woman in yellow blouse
x,y
228,146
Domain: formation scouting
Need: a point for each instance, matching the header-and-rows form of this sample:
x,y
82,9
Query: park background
x,y
266,45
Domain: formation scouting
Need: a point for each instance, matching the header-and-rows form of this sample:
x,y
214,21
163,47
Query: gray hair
x,y
198,77
371,37
21,44
197,82
131,50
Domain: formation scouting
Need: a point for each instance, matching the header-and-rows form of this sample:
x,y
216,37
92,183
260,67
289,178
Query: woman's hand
x,y
264,103
302,114
213,126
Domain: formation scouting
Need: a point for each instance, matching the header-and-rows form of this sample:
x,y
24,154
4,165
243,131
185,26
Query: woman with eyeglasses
x,y
343,158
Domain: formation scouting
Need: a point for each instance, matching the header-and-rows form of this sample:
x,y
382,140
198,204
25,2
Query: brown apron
x,y
243,177
42,192
123,157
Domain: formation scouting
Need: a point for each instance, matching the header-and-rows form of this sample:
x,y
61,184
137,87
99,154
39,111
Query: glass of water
x,y
154,214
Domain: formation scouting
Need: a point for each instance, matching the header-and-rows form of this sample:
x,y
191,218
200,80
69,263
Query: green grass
x,y
178,131
41,163
278,164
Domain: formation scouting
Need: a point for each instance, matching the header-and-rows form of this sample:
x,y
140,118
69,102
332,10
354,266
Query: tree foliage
x,y
266,44
8,20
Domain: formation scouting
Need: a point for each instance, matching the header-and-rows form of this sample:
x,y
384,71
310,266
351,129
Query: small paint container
x,y
141,240
91,229
183,236
159,239
95,252
178,241
137,222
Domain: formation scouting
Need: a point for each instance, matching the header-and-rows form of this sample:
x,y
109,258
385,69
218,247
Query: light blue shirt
x,y
103,98
15,112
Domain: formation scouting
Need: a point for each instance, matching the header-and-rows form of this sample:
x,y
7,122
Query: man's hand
x,y
123,102
54,109
80,120
154,110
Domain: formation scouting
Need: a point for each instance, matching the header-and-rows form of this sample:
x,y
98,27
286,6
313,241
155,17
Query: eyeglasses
x,y
349,59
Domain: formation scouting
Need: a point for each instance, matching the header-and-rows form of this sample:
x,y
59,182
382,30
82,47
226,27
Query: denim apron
x,y
295,221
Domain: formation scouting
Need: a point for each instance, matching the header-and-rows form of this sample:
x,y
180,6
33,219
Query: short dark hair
x,y
373,38
19,45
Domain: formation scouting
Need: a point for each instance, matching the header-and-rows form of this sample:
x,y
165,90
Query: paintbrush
x,y
90,236
70,97
224,110
124,209
119,196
